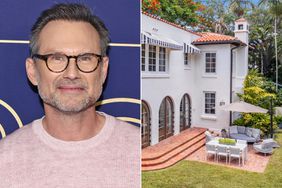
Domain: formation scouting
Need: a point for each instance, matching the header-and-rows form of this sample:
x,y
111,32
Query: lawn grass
x,y
201,175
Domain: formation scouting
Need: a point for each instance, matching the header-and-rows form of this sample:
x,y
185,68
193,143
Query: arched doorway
x,y
166,114
185,112
145,125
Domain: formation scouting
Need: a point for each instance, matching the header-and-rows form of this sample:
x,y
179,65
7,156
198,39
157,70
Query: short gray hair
x,y
69,12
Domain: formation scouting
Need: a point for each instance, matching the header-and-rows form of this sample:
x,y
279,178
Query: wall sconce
x,y
221,103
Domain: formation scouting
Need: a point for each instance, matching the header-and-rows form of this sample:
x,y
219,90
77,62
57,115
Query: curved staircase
x,y
173,149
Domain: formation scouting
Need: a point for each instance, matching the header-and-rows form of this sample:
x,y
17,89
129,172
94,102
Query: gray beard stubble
x,y
54,101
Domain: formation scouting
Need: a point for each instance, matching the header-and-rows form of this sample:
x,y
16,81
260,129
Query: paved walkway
x,y
256,162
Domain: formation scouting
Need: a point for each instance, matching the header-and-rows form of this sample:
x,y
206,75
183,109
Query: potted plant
x,y
227,141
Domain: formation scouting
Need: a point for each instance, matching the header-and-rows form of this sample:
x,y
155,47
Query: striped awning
x,y
158,40
190,49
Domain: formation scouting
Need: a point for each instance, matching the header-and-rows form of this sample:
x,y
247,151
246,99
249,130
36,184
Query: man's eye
x,y
58,58
85,58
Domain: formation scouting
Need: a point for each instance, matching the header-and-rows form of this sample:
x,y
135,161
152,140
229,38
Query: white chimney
x,y
242,33
242,30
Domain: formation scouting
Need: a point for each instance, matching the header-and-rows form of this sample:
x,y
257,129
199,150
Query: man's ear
x,y
31,71
105,65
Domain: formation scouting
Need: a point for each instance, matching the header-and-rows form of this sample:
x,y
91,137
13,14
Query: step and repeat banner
x,y
19,101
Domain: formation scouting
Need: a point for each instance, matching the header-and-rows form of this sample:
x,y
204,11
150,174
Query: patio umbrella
x,y
242,106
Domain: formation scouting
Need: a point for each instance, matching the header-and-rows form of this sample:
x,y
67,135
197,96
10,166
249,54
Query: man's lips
x,y
70,88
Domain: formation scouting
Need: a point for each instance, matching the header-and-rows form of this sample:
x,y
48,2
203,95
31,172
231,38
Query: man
x,y
73,145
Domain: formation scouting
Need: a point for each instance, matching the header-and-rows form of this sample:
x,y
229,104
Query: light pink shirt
x,y
30,157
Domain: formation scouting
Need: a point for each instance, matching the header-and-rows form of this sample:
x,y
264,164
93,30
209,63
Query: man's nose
x,y
71,71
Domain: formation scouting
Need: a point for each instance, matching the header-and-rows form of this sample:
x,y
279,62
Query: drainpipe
x,y
231,82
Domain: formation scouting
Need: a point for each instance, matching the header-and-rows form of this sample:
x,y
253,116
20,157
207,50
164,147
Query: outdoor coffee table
x,y
242,147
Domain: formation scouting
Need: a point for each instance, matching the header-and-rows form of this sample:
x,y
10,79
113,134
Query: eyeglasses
x,y
57,62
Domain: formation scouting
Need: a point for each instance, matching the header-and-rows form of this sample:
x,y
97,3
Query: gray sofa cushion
x,y
249,131
256,133
242,137
241,129
233,130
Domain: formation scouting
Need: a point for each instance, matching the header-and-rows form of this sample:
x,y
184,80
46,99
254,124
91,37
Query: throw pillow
x,y
233,130
241,129
256,133
249,131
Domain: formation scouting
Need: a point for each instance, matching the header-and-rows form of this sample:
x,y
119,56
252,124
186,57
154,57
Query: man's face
x,y
70,91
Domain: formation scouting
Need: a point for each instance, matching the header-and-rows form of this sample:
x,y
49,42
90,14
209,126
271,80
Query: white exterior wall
x,y
218,83
193,81
179,80
242,55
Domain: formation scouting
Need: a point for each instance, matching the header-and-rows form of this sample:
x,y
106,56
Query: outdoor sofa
x,y
249,134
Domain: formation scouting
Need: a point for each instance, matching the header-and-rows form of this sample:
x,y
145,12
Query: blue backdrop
x,y
20,104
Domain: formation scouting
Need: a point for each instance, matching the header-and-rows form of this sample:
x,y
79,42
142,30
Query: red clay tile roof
x,y
167,22
215,38
241,20
205,37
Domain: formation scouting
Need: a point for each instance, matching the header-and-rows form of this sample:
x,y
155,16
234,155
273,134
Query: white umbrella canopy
x,y
242,106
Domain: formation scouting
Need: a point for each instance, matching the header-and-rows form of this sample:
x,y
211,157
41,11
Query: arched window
x,y
166,119
185,112
145,125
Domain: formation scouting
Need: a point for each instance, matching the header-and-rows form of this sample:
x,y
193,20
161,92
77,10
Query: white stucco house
x,y
186,76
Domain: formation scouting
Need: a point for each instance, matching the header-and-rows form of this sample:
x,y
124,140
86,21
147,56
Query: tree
x,y
261,43
215,17
223,13
182,12
262,46
150,6
240,7
275,7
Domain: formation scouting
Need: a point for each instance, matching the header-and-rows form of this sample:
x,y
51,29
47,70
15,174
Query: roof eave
x,y
234,42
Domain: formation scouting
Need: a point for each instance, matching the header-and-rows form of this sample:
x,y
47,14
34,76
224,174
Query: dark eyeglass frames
x,y
57,62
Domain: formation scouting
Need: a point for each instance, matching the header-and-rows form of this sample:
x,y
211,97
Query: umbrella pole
x,y
271,118
230,118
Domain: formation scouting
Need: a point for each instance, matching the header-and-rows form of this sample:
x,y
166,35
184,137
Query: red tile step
x,y
170,151
174,152
169,144
177,158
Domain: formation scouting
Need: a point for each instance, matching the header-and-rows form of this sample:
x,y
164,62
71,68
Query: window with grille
x,y
209,102
210,62
143,54
187,60
162,59
152,58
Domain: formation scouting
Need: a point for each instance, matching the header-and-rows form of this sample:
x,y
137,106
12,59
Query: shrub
x,y
278,119
258,91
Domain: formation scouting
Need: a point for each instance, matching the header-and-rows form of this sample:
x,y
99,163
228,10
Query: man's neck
x,y
72,127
